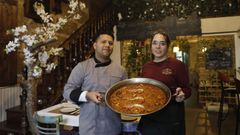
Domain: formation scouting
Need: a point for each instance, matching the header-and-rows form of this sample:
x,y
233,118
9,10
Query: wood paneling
x,y
97,6
8,20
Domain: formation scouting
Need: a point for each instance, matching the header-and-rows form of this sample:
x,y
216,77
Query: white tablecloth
x,y
69,120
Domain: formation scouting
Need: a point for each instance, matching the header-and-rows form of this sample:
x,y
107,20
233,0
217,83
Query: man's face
x,y
103,46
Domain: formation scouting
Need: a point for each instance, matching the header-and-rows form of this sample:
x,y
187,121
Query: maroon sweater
x,y
171,72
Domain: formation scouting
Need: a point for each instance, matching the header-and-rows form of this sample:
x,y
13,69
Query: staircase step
x,y
11,129
15,116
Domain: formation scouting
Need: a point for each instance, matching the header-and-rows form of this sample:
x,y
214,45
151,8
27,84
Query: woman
x,y
172,72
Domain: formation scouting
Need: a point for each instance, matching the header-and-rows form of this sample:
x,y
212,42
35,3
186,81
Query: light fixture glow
x,y
175,49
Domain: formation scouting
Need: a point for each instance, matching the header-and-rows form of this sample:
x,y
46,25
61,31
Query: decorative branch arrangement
x,y
37,54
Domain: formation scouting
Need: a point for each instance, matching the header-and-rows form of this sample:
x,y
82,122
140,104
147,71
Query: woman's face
x,y
159,47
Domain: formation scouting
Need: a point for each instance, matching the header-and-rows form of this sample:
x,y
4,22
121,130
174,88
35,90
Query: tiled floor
x,y
199,122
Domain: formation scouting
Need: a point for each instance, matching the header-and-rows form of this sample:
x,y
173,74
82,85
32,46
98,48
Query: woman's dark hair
x,y
102,33
167,39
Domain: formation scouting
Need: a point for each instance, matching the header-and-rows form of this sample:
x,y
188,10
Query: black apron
x,y
168,121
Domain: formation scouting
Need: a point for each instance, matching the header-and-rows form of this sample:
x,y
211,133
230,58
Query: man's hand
x,y
94,96
180,96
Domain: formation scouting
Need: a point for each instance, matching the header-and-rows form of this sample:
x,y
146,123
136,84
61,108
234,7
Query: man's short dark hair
x,y
102,33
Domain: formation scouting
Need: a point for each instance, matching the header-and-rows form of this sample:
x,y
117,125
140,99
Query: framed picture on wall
x,y
219,58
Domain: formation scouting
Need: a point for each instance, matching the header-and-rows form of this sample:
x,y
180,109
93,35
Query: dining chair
x,y
237,84
48,125
223,78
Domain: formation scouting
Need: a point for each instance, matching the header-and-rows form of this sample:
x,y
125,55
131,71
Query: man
x,y
86,83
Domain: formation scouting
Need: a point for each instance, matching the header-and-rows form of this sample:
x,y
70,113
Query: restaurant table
x,y
69,118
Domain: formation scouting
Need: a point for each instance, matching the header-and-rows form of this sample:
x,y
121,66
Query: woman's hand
x,y
180,96
94,96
